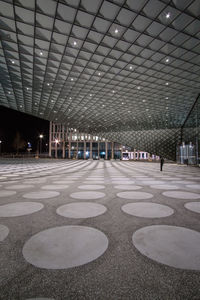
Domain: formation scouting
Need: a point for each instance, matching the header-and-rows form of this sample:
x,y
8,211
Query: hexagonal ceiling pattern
x,y
101,66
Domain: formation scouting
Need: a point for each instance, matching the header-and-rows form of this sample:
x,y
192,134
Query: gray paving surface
x,y
122,271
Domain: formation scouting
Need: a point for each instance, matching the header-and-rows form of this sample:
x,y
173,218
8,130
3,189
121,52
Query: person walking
x,y
161,163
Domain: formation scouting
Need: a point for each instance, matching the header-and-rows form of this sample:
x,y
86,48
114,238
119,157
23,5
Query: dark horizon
x,y
26,127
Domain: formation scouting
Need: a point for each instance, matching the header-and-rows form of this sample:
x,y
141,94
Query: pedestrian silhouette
x,y
161,163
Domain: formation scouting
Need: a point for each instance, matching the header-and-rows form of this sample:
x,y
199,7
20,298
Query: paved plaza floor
x,y
104,230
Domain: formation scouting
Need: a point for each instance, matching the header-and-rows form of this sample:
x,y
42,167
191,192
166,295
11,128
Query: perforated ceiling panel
x,y
101,66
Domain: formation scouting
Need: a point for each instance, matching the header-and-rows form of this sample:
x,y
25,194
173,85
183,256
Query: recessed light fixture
x,y
113,91
138,87
27,89
72,79
52,101
122,102
74,43
70,98
116,31
167,60
103,105
166,98
168,15
130,67
90,95
147,109
143,100
41,53
9,93
12,61
20,106
167,83
48,84
99,74
166,107
35,103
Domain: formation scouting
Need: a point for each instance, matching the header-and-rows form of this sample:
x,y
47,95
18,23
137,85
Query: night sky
x,y
27,127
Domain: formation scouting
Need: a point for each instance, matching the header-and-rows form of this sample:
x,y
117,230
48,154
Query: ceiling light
x,y
70,98
72,79
167,83
167,60
35,103
147,109
122,102
74,43
130,67
90,95
41,53
48,84
27,89
12,61
138,87
9,93
20,106
116,30
166,98
143,100
113,91
168,15
99,73
166,107
52,101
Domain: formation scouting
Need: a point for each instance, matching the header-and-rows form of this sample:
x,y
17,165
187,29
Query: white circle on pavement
x,y
127,187
147,210
135,195
81,210
193,206
4,231
41,195
7,193
65,247
19,187
94,182
152,182
181,195
193,186
87,195
185,182
63,182
120,182
54,187
19,209
91,187
164,187
170,245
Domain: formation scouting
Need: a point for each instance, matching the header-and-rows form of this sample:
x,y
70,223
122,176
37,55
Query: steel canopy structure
x,y
125,69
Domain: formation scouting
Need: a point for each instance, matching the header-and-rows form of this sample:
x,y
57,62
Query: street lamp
x,y
56,148
41,137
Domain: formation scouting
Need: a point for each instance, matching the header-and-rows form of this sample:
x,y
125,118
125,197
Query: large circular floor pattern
x,y
134,195
65,247
41,195
181,195
4,193
19,209
4,231
170,245
193,206
81,210
54,187
19,187
87,195
127,187
92,187
147,210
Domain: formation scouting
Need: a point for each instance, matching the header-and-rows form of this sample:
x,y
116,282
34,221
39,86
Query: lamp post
x,y
56,148
41,137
